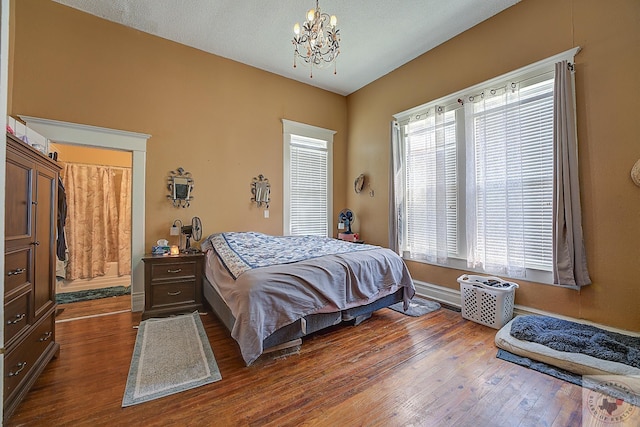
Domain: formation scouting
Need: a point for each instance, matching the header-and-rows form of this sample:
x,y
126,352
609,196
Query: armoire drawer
x,y
16,318
17,269
22,359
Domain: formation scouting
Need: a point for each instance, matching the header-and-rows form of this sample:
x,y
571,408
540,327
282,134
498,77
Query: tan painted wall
x,y
608,84
90,155
218,119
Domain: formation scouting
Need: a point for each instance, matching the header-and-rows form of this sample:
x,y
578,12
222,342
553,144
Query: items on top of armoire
x,y
27,135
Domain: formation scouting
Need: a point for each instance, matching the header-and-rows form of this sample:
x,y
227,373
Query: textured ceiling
x,y
377,36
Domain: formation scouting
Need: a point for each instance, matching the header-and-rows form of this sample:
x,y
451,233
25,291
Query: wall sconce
x,y
180,186
261,191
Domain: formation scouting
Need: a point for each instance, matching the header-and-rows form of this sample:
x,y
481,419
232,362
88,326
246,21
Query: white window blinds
x,y
431,185
510,136
308,186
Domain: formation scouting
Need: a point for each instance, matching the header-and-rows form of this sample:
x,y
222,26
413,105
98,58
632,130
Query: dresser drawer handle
x,y
174,294
36,243
16,272
18,318
20,366
45,337
174,271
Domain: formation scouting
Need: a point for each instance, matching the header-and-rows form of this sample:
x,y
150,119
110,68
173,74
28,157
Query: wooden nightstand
x,y
172,284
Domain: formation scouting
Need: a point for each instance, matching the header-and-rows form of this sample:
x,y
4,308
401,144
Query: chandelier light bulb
x,y
296,29
311,14
333,20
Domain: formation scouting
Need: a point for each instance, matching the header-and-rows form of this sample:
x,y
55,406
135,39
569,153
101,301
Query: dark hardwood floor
x,y
96,307
392,370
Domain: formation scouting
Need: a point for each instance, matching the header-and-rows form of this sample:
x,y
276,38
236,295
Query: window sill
x,y
532,275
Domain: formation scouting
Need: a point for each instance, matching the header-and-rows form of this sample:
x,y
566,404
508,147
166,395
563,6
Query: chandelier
x,y
317,43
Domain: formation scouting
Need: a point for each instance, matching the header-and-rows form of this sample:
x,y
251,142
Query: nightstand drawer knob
x,y
174,294
174,271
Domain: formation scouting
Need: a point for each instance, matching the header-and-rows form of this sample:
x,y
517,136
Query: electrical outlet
x,y
266,213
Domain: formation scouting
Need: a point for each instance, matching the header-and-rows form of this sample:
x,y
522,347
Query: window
x,y
431,185
476,177
308,171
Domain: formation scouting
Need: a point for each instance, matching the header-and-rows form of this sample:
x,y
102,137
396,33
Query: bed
x,y
270,291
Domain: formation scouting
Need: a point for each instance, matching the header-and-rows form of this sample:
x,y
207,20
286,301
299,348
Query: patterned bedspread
x,y
244,251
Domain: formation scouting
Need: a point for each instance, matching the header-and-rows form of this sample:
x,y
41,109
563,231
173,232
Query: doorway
x,y
136,144
94,254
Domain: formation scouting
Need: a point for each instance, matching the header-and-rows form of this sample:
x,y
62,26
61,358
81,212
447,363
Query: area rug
x,y
91,294
417,307
171,355
626,394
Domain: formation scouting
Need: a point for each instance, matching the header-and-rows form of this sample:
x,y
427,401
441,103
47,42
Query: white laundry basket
x,y
487,300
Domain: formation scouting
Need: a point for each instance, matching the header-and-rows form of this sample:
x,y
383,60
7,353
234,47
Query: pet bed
x,y
617,354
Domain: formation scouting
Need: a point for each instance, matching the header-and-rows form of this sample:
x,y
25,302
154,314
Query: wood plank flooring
x,y
96,307
392,370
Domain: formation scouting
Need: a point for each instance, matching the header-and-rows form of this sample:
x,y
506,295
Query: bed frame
x,y
291,335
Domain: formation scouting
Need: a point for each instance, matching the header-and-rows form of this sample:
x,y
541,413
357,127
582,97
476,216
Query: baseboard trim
x,y
137,302
438,293
452,297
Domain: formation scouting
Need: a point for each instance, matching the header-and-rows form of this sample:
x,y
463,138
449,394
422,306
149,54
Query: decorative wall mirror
x,y
261,191
180,186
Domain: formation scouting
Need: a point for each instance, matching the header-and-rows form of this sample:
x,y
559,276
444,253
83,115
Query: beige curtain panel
x,y
569,258
98,226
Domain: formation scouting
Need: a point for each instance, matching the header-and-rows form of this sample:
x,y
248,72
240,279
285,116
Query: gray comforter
x,y
267,298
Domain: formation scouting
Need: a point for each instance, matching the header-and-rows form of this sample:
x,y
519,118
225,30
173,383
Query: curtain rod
x,y
96,165
569,55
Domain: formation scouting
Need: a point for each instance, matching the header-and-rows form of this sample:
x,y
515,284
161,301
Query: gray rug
x,y
626,394
417,307
91,294
171,355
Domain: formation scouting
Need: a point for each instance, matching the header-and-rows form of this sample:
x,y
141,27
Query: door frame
x,y
134,142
